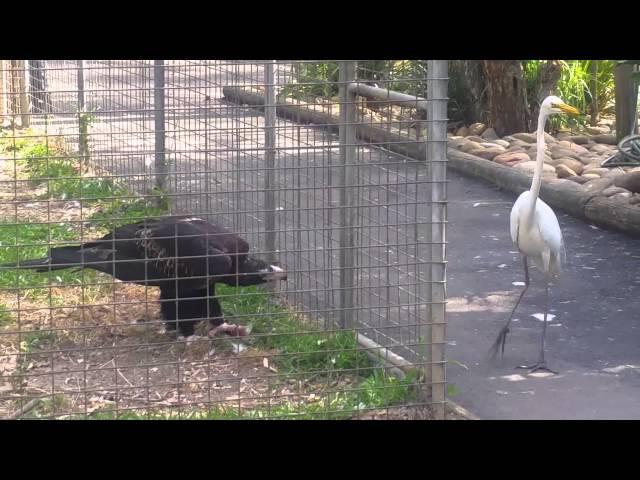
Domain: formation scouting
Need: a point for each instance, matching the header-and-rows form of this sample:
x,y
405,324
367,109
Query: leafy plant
x,y
313,80
321,79
574,86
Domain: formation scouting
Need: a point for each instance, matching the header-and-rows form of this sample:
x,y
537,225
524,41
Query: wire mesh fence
x,y
272,239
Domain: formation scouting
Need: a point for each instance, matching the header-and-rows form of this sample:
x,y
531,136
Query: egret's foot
x,y
542,365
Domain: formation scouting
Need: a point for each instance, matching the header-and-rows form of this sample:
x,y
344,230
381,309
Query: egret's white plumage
x,y
535,230
541,239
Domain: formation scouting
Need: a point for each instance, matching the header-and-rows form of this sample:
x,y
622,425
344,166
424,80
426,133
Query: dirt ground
x,y
103,347
148,373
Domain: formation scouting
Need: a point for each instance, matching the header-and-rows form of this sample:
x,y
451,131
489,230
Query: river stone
x,y
502,143
490,134
458,142
558,152
510,159
466,148
488,153
516,148
463,131
598,171
477,128
565,172
529,167
572,163
491,145
599,148
525,137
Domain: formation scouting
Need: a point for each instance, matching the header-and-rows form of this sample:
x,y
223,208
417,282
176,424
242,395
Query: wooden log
x,y
614,214
606,138
566,195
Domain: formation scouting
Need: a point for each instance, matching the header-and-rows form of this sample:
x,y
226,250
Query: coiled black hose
x,y
628,154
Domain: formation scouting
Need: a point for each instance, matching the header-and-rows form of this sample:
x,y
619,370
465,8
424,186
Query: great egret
x,y
536,233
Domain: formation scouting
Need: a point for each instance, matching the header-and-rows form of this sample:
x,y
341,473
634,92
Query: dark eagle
x,y
184,256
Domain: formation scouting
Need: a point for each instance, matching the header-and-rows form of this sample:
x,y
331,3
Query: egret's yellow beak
x,y
568,109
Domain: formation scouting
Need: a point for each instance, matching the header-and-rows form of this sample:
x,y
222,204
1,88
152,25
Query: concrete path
x,y
594,339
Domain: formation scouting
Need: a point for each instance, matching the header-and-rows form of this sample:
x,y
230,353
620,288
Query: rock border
x,y
578,200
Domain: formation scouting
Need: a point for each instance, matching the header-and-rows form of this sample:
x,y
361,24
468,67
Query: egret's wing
x,y
515,226
516,215
550,233
549,227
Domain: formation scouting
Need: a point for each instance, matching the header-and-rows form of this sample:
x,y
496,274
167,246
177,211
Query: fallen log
x,y
375,136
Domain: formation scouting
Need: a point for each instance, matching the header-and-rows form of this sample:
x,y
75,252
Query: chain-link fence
x,y
333,172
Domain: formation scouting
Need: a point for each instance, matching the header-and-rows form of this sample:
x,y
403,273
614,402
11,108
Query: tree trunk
x,y
547,83
626,100
507,95
467,91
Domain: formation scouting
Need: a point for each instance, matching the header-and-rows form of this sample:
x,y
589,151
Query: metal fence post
x,y
83,119
347,134
159,125
12,89
270,160
21,75
3,89
437,160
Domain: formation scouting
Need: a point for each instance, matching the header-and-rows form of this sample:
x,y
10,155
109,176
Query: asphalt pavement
x,y
593,340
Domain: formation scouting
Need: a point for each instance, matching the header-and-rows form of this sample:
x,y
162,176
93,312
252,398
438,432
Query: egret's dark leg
x,y
502,336
542,364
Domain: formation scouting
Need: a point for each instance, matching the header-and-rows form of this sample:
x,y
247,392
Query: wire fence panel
x,y
260,239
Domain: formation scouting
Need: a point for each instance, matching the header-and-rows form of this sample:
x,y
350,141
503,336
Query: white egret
x,y
536,233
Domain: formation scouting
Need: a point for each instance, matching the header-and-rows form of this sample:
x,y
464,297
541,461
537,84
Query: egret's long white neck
x,y
537,174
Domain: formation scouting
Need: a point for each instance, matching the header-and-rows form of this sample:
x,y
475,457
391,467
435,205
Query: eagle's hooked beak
x,y
275,272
